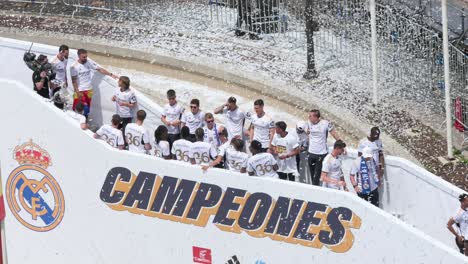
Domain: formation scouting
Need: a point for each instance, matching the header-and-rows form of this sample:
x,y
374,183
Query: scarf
x,y
367,169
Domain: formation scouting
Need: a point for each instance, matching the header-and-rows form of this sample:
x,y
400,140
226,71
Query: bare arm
x,y
324,177
106,72
213,163
450,224
334,134
75,84
251,132
84,126
219,109
272,134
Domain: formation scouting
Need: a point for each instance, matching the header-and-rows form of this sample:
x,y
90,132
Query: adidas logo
x,y
233,260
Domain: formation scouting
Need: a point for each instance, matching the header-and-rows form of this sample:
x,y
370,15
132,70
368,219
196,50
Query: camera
x,y
34,64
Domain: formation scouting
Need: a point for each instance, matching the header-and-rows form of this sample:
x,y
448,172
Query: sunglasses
x,y
209,121
193,106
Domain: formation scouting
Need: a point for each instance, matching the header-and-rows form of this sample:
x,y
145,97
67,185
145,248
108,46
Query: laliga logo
x,y
33,195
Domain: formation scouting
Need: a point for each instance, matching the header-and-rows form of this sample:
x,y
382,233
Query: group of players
x,y
195,137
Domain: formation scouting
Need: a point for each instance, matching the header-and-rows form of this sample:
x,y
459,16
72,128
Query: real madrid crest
x,y
33,195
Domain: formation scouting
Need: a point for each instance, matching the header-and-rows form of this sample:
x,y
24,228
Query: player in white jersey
x,y
461,219
111,134
181,147
193,119
364,177
201,153
262,127
161,145
82,72
136,136
375,144
332,172
59,65
236,159
125,100
219,162
171,117
235,118
318,130
261,164
78,116
211,130
285,147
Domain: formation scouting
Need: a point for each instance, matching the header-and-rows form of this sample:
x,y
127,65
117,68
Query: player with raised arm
x,y
261,164
161,145
171,117
82,72
136,136
201,153
181,147
235,118
262,127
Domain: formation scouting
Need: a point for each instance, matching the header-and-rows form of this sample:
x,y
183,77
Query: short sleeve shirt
x,y
193,121
375,146
332,166
234,122
84,73
127,96
461,218
136,137
161,149
202,152
111,135
173,113
262,126
236,160
262,165
318,134
285,145
60,69
181,149
44,92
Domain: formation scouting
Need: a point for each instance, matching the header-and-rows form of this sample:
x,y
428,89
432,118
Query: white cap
x,y
367,153
301,125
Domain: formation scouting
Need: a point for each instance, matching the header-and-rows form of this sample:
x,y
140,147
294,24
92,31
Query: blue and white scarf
x,y
367,170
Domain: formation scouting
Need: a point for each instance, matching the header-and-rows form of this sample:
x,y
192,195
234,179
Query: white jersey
x,y
193,121
318,134
212,136
136,137
302,139
236,160
285,145
332,166
60,69
375,146
262,126
181,149
111,135
79,118
127,96
234,122
202,152
84,73
161,149
173,113
262,165
223,148
461,218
